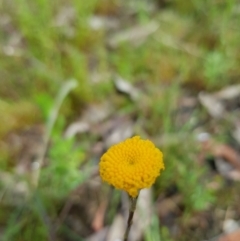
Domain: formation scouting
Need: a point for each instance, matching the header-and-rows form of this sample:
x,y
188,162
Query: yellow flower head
x,y
131,165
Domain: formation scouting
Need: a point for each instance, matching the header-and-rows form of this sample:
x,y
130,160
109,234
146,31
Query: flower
x,y
131,165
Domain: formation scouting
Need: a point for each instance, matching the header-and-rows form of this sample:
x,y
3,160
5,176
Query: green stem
x,y
133,204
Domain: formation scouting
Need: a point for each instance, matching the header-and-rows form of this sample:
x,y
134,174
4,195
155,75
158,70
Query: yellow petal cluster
x,y
131,165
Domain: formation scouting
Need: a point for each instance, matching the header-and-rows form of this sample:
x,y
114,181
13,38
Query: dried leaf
x,y
142,217
214,102
214,107
117,229
230,225
229,92
135,35
121,131
91,116
125,87
236,131
228,153
76,128
227,160
103,22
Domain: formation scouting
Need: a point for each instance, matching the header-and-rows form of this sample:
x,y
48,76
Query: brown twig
x,y
130,217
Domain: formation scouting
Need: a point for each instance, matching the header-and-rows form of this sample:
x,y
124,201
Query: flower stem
x,y
132,209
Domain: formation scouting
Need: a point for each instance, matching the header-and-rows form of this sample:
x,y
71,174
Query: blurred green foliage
x,y
196,46
65,158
